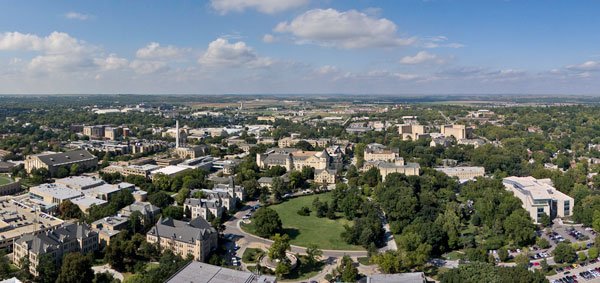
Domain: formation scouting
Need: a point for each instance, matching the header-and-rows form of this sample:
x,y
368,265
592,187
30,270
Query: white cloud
x,y
439,41
269,38
327,69
112,62
77,16
382,75
55,43
155,51
344,30
587,66
263,6
148,67
221,53
423,57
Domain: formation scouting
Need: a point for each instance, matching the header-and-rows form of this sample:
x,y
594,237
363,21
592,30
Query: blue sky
x,y
300,46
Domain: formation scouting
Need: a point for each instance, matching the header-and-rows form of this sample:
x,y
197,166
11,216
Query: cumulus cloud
x,y
112,62
77,16
269,38
423,57
263,6
327,69
585,67
59,52
155,51
439,41
148,67
344,30
482,74
383,74
221,53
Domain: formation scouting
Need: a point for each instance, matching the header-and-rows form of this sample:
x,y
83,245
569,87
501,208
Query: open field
x,y
304,230
5,180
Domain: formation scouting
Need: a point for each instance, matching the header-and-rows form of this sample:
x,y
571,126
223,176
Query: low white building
x,y
539,196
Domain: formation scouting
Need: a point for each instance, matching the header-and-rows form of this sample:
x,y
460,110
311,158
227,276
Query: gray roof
x,y
66,158
143,208
198,272
410,277
80,181
53,239
6,165
197,229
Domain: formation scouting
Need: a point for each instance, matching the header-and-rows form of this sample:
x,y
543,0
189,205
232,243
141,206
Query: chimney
x,y
177,134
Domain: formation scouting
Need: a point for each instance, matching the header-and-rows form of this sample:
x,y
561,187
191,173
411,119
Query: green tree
x,y
543,243
47,270
160,199
545,220
281,243
69,210
266,221
282,268
503,254
564,253
350,273
75,268
175,212
581,256
183,194
593,252
522,259
312,252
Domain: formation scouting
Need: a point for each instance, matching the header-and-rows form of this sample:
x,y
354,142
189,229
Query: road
x,y
105,268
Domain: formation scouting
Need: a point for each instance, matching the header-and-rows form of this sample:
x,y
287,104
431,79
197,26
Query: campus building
x,y
539,196
195,237
412,132
398,166
295,159
457,131
53,161
463,172
56,243
198,272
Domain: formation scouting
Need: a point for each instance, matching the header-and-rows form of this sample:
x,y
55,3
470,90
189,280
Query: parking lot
x,y
586,272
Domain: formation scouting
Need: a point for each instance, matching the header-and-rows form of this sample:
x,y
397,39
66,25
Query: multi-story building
x,y
94,131
326,176
53,161
109,227
195,237
457,131
398,166
204,207
295,159
463,172
189,152
379,155
474,142
147,210
412,132
18,219
58,242
140,170
540,197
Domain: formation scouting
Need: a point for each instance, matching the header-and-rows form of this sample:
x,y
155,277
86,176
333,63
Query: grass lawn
x,y
453,255
5,180
251,255
304,230
365,261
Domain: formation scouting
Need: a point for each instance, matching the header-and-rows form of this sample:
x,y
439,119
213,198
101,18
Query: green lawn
x,y
5,180
304,230
251,255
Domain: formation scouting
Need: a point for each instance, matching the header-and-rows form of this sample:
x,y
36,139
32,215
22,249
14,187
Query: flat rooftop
x,y
80,181
460,169
17,219
58,191
198,272
170,170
